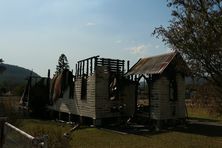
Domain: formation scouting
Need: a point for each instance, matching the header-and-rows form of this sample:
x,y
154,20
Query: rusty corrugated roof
x,y
152,65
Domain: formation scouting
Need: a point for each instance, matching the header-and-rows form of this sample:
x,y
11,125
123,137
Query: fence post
x,y
45,140
2,136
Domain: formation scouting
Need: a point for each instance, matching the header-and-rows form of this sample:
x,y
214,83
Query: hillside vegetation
x,y
14,74
13,78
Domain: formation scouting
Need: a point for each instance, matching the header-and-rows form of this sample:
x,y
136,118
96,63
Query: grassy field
x,y
202,114
193,135
101,138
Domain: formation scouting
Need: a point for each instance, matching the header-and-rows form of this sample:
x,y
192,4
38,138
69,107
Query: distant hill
x,y
14,74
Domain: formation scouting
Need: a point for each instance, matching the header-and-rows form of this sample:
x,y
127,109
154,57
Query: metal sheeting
x,y
152,65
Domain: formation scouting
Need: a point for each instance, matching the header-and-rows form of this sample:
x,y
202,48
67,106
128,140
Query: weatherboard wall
x,y
97,104
162,107
77,105
86,106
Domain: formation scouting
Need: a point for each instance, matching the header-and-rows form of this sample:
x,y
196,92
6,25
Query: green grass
x,y
202,113
54,131
100,138
192,136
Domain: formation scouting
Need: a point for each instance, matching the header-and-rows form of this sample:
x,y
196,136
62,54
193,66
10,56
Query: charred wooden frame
x,y
88,66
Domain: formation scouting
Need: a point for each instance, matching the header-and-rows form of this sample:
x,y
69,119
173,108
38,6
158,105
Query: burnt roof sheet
x,y
152,65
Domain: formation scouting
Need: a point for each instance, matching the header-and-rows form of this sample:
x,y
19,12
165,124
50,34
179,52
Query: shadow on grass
x,y
201,129
202,126
203,119
198,126
139,130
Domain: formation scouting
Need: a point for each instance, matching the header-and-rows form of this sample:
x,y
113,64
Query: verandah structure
x,y
163,85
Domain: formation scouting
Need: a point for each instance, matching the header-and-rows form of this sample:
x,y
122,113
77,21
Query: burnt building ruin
x,y
103,89
100,91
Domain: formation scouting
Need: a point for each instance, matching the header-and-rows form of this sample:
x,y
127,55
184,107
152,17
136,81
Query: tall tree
x,y
62,64
1,61
195,31
2,68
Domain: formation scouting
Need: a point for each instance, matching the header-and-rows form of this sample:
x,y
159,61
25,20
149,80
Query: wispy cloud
x,y
138,49
90,24
157,46
142,49
118,41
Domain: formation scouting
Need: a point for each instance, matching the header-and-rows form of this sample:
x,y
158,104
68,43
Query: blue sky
x,y
33,33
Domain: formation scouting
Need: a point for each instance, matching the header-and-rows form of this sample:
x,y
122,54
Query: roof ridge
x,y
159,55
152,65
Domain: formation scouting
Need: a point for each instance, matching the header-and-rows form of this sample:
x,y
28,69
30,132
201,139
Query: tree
x,y
1,61
62,64
2,68
195,31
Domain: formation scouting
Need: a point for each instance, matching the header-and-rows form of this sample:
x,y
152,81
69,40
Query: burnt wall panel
x,y
103,102
128,97
124,105
65,104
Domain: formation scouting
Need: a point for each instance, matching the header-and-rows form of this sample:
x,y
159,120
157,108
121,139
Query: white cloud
x,y
138,49
118,41
145,49
157,46
90,24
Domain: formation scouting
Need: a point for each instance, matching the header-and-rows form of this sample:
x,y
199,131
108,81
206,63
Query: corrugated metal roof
x,y
152,65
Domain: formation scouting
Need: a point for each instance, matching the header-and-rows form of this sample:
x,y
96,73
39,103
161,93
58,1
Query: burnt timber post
x,y
87,67
128,65
48,87
2,136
